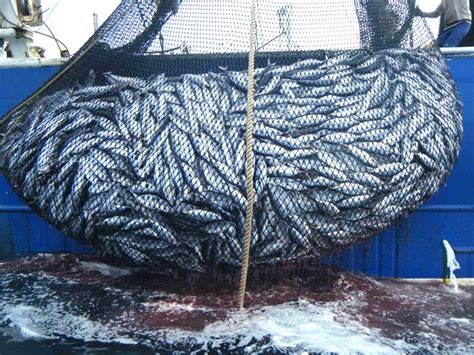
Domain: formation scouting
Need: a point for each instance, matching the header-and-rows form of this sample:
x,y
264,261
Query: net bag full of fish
x,y
138,146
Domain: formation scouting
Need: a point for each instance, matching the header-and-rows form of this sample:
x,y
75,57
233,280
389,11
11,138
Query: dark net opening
x,y
138,146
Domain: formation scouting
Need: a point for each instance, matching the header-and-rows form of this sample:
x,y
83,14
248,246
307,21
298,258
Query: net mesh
x,y
138,146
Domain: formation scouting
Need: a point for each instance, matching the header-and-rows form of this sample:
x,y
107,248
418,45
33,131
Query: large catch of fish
x,y
152,170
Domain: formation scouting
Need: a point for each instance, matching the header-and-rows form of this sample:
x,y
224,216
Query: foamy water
x,y
87,304
300,326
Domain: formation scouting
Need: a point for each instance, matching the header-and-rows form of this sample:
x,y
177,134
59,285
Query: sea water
x,y
79,303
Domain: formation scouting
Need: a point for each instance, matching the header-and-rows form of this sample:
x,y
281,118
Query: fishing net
x,y
138,147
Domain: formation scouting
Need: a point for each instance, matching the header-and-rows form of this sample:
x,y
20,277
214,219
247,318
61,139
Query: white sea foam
x,y
298,326
460,320
47,307
46,256
20,316
105,269
302,325
176,307
34,322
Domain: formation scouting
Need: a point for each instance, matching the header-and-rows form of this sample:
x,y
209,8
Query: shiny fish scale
x,y
152,170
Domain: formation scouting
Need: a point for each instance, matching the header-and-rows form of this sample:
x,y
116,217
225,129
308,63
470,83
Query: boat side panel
x,y
19,83
414,248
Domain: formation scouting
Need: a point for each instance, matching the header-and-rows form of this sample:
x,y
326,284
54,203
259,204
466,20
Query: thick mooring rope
x,y
249,156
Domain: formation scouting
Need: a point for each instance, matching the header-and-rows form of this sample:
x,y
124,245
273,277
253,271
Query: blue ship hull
x,y
412,249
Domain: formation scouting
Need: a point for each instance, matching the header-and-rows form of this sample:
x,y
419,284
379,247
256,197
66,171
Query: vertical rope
x,y
249,155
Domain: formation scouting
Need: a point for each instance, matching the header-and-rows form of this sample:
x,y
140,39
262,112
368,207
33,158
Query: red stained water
x,y
163,310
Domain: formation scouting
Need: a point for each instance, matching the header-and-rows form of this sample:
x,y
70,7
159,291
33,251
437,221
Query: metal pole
x,y
96,22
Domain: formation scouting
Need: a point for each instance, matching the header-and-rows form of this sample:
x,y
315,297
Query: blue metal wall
x,y
412,249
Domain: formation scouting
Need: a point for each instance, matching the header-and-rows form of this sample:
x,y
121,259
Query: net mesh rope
x,y
138,147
